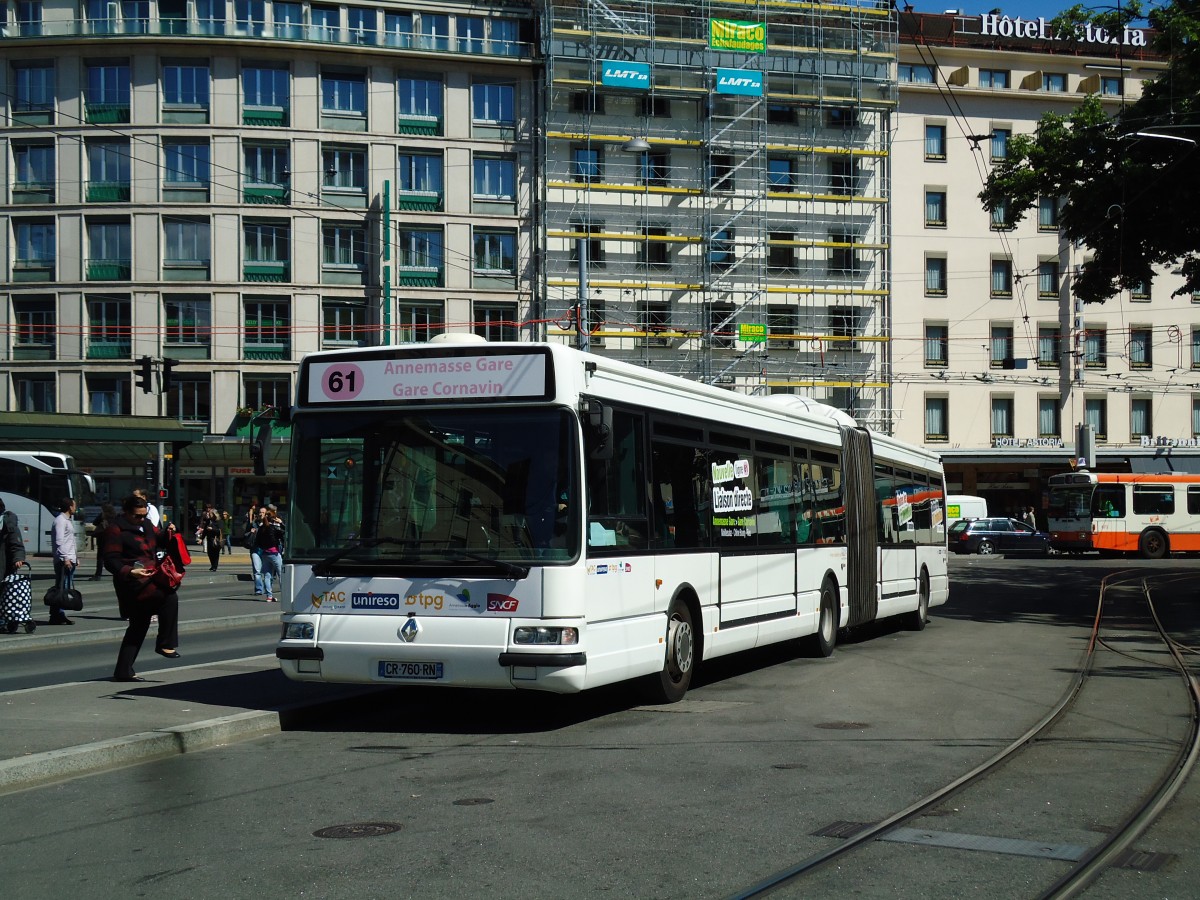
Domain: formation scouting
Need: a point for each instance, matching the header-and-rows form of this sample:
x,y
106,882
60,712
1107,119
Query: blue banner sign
x,y
625,74
740,81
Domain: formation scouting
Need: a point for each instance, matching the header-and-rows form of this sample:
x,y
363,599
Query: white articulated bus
x,y
33,484
524,515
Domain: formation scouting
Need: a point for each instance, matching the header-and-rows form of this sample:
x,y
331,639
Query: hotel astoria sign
x,y
996,25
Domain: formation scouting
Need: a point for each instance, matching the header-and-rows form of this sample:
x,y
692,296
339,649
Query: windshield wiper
x,y
513,570
322,567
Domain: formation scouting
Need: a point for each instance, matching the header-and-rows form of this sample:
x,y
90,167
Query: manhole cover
x,y
358,830
843,726
473,801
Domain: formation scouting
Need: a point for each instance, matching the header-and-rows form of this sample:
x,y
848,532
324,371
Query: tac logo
x,y
502,603
328,598
374,601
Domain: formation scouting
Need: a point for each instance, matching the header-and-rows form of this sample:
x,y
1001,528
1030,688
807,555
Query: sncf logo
x,y
502,603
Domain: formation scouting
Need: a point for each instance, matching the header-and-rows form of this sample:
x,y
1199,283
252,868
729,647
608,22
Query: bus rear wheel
x,y
672,683
915,620
822,643
1153,544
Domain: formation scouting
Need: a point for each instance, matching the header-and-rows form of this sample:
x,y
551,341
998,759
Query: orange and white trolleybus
x,y
1116,513
525,515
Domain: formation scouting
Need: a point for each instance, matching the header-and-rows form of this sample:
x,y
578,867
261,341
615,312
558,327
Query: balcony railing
x,y
263,31
109,269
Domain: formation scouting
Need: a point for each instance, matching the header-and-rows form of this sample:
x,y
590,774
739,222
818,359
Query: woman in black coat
x,y
132,548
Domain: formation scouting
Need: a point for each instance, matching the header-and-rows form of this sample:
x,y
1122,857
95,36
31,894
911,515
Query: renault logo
x,y
409,630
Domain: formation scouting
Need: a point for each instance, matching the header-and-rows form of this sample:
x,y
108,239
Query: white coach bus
x,y
524,515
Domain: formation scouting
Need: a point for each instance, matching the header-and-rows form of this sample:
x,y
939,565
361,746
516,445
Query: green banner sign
x,y
752,332
731,34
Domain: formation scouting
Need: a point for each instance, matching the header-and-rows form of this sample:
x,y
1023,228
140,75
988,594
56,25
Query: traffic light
x,y
165,383
145,379
164,494
150,470
260,447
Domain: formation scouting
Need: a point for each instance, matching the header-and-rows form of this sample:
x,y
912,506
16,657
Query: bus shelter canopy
x,y
76,434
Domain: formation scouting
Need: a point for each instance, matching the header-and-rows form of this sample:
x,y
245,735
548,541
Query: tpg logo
x,y
425,601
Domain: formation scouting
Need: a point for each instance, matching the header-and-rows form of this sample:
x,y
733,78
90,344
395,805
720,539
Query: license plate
x,y
426,671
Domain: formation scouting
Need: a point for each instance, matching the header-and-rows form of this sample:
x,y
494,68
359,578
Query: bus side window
x,y
617,488
1109,501
1193,500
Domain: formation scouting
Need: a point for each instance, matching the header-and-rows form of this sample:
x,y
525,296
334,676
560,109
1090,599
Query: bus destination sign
x,y
431,378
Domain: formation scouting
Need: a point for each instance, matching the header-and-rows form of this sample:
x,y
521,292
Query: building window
x,y
846,323
1111,86
493,103
1195,348
264,393
109,327
1055,82
35,321
1047,214
781,252
35,250
496,322
344,323
1000,138
994,78
935,209
935,142
109,251
720,173
186,243
781,173
419,257
266,95
419,104
1140,348
655,107
1140,422
1140,290
1002,219
495,178
421,173
190,399
937,419
344,170
33,87
937,346
1048,279
107,93
495,252
186,85
344,247
585,164
1001,278
722,325
267,328
1195,424
186,162
653,252
266,173
654,319
1049,418
344,93
1095,414
108,171
29,18
721,250
188,320
250,16
361,25
108,396
843,256
267,249
935,276
417,323
1095,348
843,176
35,393
915,73
595,247
33,168
656,168
783,327
326,22
587,102
1002,346
1002,417
1049,347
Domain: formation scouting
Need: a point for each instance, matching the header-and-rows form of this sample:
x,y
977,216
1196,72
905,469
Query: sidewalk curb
x,y
85,759
38,641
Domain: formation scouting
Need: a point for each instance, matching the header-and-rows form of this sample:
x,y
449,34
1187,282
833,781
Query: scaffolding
x,y
726,165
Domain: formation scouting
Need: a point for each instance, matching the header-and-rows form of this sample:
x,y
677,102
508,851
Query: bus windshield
x,y
434,487
1070,501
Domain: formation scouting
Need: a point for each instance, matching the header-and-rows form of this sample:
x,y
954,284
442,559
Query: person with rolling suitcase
x,y
16,592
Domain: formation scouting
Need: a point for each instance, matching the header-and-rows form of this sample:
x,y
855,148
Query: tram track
x,y
1142,813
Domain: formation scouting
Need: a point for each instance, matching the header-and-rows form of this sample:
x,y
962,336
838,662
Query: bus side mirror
x,y
598,427
260,447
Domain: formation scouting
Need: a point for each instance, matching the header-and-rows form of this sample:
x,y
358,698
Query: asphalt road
x,y
529,796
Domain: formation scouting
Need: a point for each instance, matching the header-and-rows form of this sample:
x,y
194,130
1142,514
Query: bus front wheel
x,y
672,683
1153,544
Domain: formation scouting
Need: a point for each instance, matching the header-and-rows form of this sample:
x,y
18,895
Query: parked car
x,y
987,536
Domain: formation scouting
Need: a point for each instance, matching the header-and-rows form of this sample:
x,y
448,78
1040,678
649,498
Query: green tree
x,y
1129,184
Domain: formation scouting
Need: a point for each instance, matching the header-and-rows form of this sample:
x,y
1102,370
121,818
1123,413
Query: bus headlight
x,y
542,634
299,631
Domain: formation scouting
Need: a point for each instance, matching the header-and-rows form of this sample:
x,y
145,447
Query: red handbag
x,y
181,551
166,575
